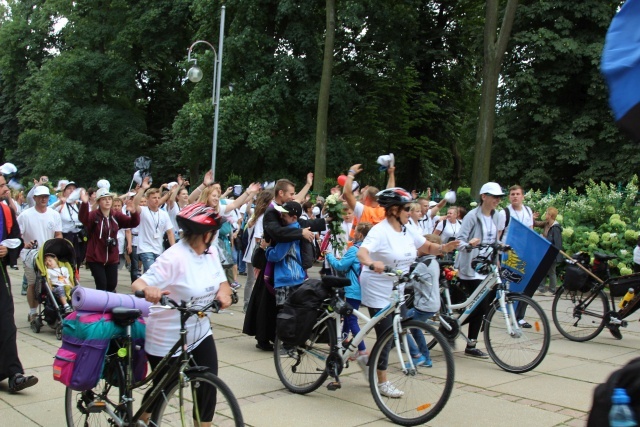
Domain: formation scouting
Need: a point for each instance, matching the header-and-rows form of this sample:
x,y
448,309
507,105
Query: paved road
x,y
557,393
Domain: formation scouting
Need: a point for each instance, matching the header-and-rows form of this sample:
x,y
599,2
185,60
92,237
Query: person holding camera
x,y
102,225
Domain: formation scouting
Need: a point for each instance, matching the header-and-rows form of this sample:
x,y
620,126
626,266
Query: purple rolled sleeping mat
x,y
85,299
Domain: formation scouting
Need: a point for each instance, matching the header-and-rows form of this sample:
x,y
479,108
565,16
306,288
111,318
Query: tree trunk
x,y
495,46
320,172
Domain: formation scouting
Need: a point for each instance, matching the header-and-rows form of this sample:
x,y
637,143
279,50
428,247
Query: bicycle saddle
x,y
335,281
125,316
603,257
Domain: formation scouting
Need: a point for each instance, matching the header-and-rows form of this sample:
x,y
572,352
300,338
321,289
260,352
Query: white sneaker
x,y
388,390
362,362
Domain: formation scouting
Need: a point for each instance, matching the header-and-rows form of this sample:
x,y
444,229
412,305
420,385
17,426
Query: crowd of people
x,y
178,238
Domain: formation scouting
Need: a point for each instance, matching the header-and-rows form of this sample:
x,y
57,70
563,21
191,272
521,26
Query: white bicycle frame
x,y
490,282
396,300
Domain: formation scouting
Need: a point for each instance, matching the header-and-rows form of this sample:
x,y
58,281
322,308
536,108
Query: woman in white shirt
x,y
390,244
187,271
450,227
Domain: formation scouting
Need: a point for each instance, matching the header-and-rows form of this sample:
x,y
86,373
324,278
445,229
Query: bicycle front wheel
x,y
204,398
524,348
302,369
96,407
411,396
579,316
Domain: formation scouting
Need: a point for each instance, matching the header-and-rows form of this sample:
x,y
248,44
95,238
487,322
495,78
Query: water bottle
x,y
621,414
627,297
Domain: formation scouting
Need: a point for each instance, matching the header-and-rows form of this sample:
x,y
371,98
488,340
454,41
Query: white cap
x,y
103,183
62,184
432,203
450,197
316,210
492,188
8,168
171,185
41,190
386,161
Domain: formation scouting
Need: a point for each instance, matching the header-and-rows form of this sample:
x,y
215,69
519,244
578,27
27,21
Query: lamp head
x,y
194,74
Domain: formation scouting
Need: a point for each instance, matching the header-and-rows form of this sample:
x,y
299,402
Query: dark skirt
x,y
260,318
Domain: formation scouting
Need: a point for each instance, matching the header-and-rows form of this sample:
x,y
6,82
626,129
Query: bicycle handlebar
x,y
495,246
214,306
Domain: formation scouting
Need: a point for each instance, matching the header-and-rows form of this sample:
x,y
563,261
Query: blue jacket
x,y
349,264
287,269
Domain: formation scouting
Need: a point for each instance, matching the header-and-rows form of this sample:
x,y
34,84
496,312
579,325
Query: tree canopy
x,y
86,87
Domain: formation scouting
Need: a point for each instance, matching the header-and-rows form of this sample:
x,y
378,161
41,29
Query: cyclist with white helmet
x,y
390,243
187,271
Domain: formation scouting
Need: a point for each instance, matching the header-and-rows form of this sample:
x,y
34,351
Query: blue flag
x,y
529,260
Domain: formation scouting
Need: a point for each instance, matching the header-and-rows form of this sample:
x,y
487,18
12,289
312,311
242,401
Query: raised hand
x,y
208,178
310,178
357,168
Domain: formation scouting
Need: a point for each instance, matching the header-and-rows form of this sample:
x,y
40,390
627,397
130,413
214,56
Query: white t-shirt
x,y
636,254
152,227
69,216
38,226
59,276
392,248
258,231
427,222
173,212
448,229
525,216
194,278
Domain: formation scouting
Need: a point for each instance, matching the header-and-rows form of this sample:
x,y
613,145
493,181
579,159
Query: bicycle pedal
x,y
96,407
624,324
333,386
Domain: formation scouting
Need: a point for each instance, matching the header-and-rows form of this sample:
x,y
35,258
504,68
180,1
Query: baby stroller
x,y
49,311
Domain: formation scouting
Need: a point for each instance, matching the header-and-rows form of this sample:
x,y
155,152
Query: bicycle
x,y
581,311
110,402
511,346
304,368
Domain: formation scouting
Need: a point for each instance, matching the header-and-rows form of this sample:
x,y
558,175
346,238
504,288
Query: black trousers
x,y
475,319
105,276
9,361
204,354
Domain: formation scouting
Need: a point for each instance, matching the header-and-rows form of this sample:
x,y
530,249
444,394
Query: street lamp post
x,y
195,75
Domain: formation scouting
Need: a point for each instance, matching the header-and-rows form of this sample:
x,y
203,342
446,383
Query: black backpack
x,y
627,377
297,317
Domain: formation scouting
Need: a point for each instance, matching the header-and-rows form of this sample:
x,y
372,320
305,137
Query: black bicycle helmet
x,y
199,218
395,196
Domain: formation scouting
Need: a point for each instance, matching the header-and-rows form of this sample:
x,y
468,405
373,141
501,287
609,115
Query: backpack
x,y
308,253
295,321
507,213
627,377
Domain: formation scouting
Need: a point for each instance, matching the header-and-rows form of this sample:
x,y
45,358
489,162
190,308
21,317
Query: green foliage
x,y
587,222
554,126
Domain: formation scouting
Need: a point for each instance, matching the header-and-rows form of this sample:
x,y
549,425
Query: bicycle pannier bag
x,y
79,362
576,279
295,321
619,286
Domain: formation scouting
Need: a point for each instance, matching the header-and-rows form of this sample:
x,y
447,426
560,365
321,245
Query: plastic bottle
x,y
627,297
621,414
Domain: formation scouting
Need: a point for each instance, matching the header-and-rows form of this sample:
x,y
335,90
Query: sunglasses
x,y
407,208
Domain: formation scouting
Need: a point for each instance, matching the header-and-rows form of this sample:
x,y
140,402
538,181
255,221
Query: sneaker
x,y
242,273
551,292
615,331
541,292
235,285
20,382
68,309
264,346
387,389
475,352
14,267
362,362
524,324
32,317
420,361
